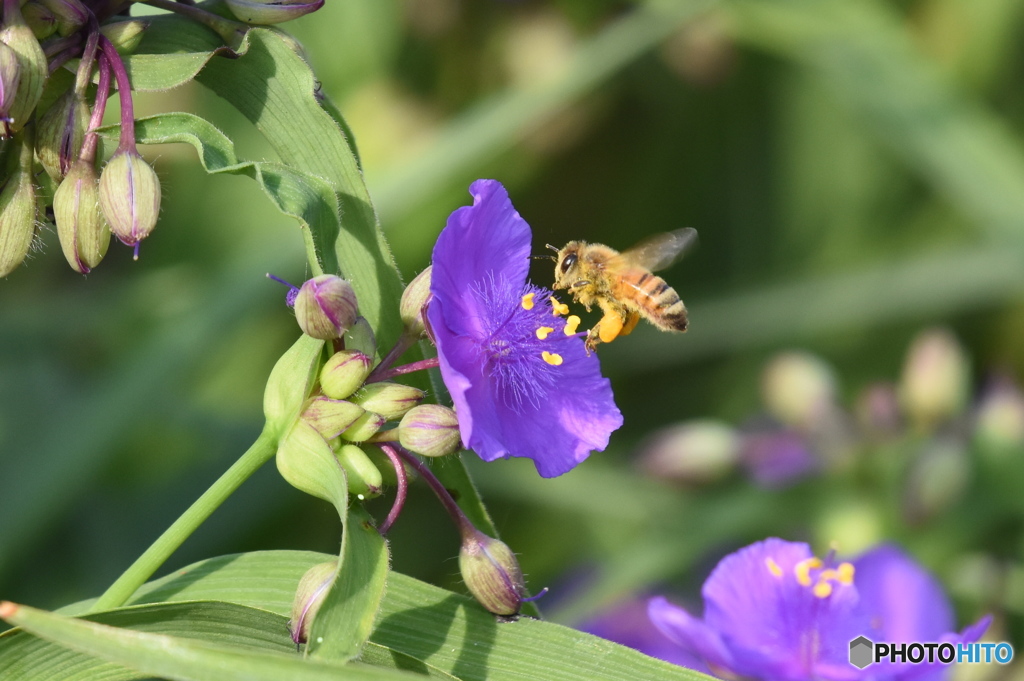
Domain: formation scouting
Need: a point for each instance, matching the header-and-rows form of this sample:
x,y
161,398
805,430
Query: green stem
x,y
174,536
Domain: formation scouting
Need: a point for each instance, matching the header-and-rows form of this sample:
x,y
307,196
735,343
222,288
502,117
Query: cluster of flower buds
x,y
39,37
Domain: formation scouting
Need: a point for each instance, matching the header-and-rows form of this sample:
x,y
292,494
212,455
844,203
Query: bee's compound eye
x,y
568,262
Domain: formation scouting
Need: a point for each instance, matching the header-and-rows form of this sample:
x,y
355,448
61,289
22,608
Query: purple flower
x,y
521,385
774,611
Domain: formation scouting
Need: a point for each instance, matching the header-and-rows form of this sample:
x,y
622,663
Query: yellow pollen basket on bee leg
x,y
552,358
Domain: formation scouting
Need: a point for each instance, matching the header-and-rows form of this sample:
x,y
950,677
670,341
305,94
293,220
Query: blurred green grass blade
x,y
345,620
27,658
864,53
497,124
185,658
444,629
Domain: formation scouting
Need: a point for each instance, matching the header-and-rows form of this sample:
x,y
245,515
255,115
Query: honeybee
x,y
623,284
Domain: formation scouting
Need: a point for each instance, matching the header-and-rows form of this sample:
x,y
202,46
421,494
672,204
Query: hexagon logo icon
x,y
861,652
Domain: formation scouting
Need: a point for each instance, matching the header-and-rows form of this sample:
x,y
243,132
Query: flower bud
x,y
10,74
695,453
41,20
390,400
491,573
797,388
71,14
60,133
365,427
364,478
344,372
272,11
878,411
937,479
430,430
129,197
83,232
325,307
331,417
307,462
999,422
17,211
125,35
934,384
32,67
313,588
414,299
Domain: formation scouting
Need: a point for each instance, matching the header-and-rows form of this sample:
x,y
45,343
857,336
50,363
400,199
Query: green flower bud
x,y
697,452
414,300
390,400
60,133
491,573
129,197
17,211
999,422
125,35
313,588
272,11
326,306
41,20
307,462
331,417
364,478
10,74
290,383
344,372
71,14
32,66
365,427
83,232
798,388
430,430
935,381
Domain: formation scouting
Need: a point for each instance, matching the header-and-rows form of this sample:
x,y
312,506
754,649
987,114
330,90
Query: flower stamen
x,y
845,573
822,589
802,570
542,332
773,567
527,301
558,309
572,322
552,358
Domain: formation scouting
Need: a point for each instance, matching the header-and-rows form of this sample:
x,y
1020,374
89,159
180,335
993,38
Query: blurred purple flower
x,y
776,458
774,611
628,623
520,385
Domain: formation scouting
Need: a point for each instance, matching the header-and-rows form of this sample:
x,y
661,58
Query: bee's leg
x,y
631,322
606,330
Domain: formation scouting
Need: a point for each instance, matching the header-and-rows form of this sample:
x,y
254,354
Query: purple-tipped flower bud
x,y
71,14
326,306
331,417
430,430
272,11
797,388
10,75
32,66
935,380
129,197
344,372
414,299
365,427
83,232
125,35
313,588
491,573
364,478
390,400
17,211
693,453
60,133
40,19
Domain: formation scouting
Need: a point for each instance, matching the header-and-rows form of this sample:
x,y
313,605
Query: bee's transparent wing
x,y
661,250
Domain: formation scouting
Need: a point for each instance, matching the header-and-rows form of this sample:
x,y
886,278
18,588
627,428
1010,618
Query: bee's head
x,y
566,264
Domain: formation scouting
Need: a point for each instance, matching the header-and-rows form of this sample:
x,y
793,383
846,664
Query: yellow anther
x,y
543,332
822,589
845,573
551,358
558,308
528,301
572,322
827,575
802,570
773,567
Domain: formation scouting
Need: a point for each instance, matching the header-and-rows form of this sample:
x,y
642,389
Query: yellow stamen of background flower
x,y
558,308
773,567
828,575
543,332
528,301
845,573
802,570
572,322
822,589
551,358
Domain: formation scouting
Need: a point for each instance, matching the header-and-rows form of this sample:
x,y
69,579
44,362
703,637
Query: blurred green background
x,y
854,169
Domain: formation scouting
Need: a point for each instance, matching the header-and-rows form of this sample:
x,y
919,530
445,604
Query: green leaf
x,y
290,382
173,50
207,652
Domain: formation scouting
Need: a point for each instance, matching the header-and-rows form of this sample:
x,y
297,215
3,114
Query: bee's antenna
x,y
553,248
543,257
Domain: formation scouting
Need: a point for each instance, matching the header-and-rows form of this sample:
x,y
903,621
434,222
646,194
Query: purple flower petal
x,y
695,638
629,625
517,392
